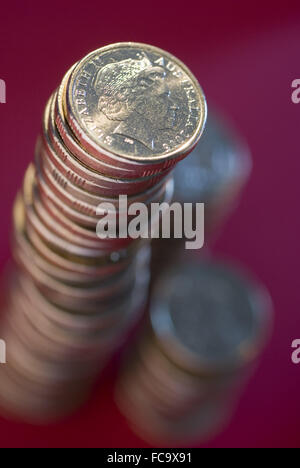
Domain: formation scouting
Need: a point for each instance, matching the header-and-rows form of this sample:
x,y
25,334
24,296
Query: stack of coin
x,y
208,324
213,174
121,119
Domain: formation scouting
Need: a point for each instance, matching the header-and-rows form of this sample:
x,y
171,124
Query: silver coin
x,y
210,318
220,162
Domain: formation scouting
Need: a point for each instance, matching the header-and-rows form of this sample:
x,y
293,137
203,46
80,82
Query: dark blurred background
x,y
245,55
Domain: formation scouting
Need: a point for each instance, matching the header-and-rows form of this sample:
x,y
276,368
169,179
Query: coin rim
x,y
246,352
174,154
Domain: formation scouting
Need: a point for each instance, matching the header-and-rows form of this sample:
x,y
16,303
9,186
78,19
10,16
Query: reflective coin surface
x,y
135,101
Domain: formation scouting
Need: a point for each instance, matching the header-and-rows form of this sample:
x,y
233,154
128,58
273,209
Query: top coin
x,y
135,103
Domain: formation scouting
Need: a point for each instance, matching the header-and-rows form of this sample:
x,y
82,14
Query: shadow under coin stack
x,y
208,324
121,119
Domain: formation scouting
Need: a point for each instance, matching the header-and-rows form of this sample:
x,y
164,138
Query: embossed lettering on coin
x,y
137,101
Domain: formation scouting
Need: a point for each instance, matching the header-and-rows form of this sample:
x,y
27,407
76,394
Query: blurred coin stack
x,y
214,174
208,324
121,119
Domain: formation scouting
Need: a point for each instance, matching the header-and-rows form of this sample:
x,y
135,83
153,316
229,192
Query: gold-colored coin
x,y
135,105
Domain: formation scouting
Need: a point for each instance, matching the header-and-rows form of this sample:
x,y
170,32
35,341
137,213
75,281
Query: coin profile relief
x,y
135,101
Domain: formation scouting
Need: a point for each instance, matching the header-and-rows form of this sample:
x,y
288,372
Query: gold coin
x,y
135,105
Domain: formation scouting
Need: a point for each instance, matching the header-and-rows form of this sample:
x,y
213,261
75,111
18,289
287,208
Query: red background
x,y
245,57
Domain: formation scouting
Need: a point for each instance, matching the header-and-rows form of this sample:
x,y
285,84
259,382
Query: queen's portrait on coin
x,y
135,101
